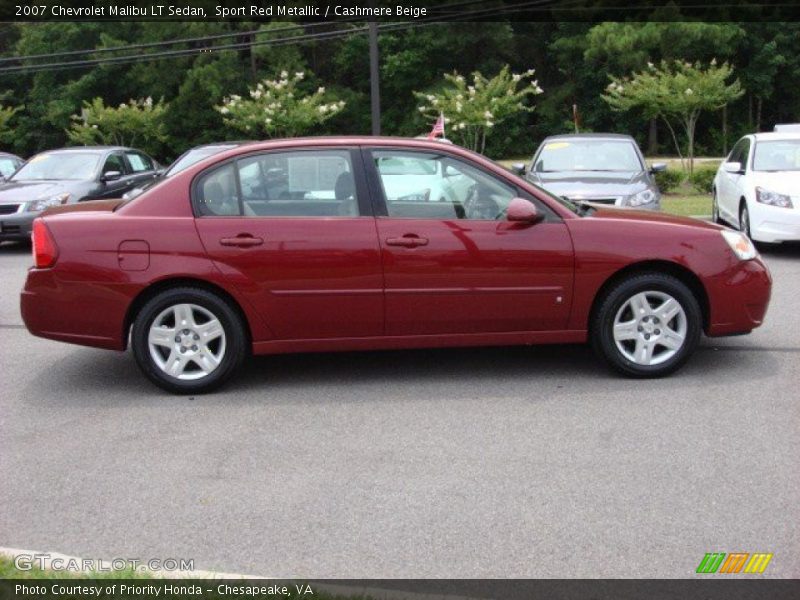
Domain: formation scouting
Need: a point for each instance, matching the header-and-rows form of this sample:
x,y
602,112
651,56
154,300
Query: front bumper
x,y
739,298
17,226
772,224
618,202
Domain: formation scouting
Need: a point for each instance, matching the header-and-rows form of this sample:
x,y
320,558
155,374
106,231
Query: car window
x,y
215,193
777,155
314,183
7,165
139,162
740,152
588,155
436,186
114,163
70,165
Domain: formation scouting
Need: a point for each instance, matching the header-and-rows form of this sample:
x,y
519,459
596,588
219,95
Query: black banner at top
x,y
397,10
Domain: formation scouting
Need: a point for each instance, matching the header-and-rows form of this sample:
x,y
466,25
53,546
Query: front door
x,y
452,262
294,233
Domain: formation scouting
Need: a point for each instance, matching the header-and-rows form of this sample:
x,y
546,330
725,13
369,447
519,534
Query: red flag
x,y
438,128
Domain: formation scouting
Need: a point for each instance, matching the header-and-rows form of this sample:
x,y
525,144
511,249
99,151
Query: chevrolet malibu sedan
x,y
316,245
757,188
67,176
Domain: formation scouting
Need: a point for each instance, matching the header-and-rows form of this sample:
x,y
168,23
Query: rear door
x,y
293,231
141,167
452,262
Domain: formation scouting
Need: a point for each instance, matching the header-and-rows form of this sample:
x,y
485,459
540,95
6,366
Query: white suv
x,y
757,188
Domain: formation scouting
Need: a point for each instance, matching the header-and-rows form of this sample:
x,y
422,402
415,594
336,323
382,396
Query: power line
x,y
206,38
249,44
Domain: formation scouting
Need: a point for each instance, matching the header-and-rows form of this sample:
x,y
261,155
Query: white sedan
x,y
757,188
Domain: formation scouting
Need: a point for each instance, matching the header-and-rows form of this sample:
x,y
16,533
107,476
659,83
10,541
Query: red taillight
x,y
45,251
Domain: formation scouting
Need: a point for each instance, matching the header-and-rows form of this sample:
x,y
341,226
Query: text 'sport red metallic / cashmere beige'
x,y
388,270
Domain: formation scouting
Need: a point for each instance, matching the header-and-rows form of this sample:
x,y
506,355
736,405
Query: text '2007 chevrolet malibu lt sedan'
x,y
366,243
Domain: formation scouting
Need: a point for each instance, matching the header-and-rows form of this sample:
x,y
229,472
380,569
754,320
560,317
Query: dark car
x,y
8,164
595,167
184,161
315,244
66,176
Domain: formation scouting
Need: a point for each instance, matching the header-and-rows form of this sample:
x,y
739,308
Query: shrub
x,y
703,179
669,179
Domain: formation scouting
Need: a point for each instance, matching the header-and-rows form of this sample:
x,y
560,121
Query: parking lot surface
x,y
499,462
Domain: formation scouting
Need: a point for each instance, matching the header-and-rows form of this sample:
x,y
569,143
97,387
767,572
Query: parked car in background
x,y
757,188
8,164
300,245
67,176
185,160
601,168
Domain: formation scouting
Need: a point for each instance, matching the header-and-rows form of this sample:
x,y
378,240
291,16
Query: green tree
x,y
471,110
279,107
6,114
676,91
135,123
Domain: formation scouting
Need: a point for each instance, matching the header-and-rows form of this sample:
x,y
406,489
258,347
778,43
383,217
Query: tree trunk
x,y
675,139
725,130
652,137
759,103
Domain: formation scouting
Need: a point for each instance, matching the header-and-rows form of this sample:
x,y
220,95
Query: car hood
x,y
629,214
24,191
591,184
781,182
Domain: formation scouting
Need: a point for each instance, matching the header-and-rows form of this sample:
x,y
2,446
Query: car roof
x,y
589,136
88,149
10,154
775,135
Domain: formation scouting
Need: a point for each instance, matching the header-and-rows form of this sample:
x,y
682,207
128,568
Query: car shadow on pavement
x,y
787,249
89,377
10,248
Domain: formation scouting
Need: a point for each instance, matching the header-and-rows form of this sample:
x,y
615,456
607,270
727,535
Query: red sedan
x,y
364,243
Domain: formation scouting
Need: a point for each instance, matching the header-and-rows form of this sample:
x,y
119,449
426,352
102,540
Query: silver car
x,y
602,168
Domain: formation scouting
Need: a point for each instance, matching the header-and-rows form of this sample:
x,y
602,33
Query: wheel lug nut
x,y
658,332
647,336
183,349
194,348
640,328
177,339
197,337
185,332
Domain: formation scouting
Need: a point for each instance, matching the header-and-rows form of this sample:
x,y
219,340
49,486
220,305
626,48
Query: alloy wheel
x,y
650,328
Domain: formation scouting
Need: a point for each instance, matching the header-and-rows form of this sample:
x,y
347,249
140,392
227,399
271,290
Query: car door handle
x,y
242,241
407,241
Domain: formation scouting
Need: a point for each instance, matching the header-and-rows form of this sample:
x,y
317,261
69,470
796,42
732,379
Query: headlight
x,y
643,197
740,244
42,203
773,198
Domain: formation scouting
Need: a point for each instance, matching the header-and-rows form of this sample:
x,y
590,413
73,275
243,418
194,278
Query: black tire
x,y
232,355
744,219
602,326
715,209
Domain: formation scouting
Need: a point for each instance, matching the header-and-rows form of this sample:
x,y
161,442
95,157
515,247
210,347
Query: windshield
x,y
59,165
777,155
7,166
194,156
588,155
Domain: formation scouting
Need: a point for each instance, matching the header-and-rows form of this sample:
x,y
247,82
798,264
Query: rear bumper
x,y
17,226
739,298
77,313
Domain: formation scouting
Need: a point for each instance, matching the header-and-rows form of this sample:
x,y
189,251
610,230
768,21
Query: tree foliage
x,y
471,108
675,91
138,123
279,107
6,114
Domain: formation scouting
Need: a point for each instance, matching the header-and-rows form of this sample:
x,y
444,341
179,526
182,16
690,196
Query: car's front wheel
x,y
744,220
188,340
647,325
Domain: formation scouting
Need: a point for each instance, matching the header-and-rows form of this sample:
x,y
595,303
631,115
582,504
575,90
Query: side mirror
x,y
110,176
518,169
522,211
732,167
658,167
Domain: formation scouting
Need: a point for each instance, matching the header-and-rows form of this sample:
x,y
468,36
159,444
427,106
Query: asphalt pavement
x,y
499,462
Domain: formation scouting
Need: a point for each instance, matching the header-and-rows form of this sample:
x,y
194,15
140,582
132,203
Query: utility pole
x,y
374,78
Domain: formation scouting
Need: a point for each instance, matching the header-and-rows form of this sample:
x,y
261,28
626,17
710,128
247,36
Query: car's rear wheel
x,y
188,340
647,325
